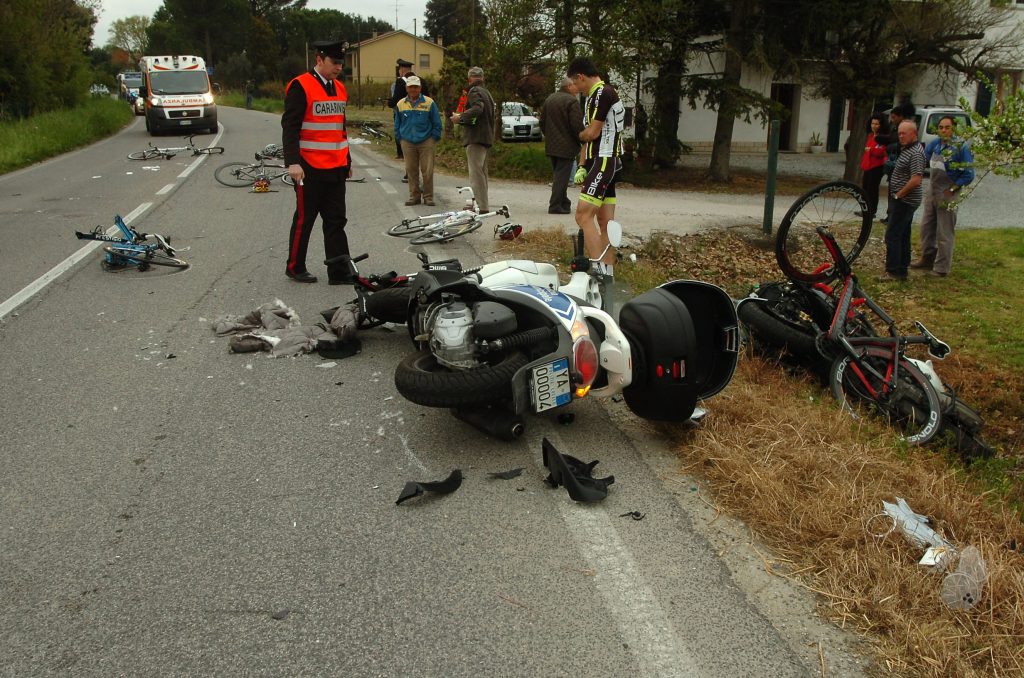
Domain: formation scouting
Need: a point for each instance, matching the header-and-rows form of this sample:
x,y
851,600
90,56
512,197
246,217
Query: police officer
x,y
317,155
398,92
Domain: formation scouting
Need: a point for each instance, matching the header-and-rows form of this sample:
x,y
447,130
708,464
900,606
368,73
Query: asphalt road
x,y
169,508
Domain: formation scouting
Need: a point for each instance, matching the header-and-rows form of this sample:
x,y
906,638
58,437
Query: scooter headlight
x,y
585,364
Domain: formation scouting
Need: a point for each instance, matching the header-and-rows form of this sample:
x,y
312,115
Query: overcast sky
x,y
406,10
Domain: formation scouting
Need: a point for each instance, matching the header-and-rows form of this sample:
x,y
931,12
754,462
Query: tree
x,y
454,21
861,50
997,140
129,34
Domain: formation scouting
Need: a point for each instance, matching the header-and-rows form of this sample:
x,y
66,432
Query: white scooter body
x,y
581,286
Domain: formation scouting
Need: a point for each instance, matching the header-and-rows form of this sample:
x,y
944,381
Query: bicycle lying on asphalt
x,y
445,226
823,316
168,153
241,174
133,248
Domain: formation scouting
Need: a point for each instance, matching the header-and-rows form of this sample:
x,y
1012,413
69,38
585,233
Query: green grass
x,y
23,142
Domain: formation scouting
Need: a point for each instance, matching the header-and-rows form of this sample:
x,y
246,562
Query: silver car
x,y
519,122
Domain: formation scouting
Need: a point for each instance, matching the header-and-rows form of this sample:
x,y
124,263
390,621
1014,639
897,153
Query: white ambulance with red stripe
x,y
178,94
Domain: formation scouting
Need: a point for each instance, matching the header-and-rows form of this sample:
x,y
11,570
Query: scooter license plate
x,y
551,385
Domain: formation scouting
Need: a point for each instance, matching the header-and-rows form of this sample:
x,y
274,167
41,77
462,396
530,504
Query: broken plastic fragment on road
x,y
507,475
574,475
962,589
635,515
447,486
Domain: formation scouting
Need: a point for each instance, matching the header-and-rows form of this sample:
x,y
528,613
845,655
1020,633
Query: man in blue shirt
x,y
418,128
951,166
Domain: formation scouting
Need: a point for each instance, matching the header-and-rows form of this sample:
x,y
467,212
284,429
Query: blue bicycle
x,y
141,250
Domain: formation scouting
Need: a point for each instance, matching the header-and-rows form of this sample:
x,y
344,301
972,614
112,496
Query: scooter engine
x,y
451,337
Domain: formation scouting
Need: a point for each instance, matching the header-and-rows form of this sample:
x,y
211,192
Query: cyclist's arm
x,y
592,131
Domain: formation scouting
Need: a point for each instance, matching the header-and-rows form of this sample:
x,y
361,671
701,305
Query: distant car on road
x,y
99,90
519,122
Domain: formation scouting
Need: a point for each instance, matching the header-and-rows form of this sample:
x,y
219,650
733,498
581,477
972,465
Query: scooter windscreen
x,y
685,342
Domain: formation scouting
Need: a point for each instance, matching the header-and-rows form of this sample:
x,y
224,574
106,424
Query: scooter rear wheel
x,y
422,380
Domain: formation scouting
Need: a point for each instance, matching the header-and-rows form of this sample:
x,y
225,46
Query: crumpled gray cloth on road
x,y
274,327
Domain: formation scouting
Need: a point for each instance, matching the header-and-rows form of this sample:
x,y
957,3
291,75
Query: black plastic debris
x,y
635,515
446,486
576,476
280,614
566,418
507,475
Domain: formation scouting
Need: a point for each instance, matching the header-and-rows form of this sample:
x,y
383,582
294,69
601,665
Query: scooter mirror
x,y
614,233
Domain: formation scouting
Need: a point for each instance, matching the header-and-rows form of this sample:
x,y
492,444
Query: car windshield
x,y
960,120
514,109
133,82
179,82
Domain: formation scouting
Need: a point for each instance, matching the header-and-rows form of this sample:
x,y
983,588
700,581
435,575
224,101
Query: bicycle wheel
x,y
837,206
409,228
147,154
212,150
287,178
237,174
152,259
913,405
443,232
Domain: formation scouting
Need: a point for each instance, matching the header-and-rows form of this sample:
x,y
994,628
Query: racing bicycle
x,y
445,226
168,153
240,174
133,248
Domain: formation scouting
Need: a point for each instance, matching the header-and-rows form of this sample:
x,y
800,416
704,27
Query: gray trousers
x,y
938,224
476,158
561,167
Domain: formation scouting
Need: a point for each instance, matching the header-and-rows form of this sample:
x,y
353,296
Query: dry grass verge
x,y
780,455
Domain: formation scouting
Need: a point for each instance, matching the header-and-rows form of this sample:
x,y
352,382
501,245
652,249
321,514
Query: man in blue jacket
x,y
418,128
951,166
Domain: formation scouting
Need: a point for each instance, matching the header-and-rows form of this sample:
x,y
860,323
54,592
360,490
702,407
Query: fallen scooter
x,y
505,340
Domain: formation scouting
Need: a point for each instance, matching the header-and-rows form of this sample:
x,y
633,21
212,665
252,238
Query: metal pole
x,y
769,188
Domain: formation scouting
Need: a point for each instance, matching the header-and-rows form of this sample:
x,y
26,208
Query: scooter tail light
x,y
585,364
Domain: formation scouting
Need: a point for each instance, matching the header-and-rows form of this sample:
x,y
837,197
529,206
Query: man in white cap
x,y
418,128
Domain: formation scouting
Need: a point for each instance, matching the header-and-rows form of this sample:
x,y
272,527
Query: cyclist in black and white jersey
x,y
600,158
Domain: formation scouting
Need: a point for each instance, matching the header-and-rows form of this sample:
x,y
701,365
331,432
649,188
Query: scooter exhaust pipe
x,y
494,421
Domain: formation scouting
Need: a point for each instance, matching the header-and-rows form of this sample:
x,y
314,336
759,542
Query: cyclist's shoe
x,y
508,231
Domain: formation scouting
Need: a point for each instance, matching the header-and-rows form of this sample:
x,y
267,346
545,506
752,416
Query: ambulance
x,y
178,95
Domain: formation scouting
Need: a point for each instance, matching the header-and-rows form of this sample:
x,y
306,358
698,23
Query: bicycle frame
x,y
131,242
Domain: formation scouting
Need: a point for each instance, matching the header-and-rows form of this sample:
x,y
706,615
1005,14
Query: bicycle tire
x,y
212,150
154,258
148,154
915,408
237,174
287,178
448,231
800,251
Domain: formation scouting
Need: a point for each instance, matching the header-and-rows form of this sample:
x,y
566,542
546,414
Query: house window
x,y
424,61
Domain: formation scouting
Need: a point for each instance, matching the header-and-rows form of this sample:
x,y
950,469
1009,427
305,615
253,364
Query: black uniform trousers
x,y
325,198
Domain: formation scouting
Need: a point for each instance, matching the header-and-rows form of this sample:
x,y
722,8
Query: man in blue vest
x,y
317,155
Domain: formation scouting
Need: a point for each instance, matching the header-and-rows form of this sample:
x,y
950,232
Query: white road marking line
x,y
642,622
42,281
373,173
195,163
166,189
388,188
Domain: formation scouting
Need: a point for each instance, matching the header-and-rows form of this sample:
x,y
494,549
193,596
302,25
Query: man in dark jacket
x,y
477,133
561,121
398,93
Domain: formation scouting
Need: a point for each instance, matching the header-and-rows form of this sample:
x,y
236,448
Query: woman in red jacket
x,y
873,162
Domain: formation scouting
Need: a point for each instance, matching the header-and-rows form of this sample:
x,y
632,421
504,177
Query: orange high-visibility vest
x,y
323,143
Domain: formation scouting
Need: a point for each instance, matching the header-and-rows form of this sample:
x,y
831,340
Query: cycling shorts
x,y
599,185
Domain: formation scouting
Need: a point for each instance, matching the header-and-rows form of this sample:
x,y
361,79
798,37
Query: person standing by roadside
x,y
316,154
561,122
951,164
477,122
600,159
398,93
898,114
418,128
873,163
905,196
